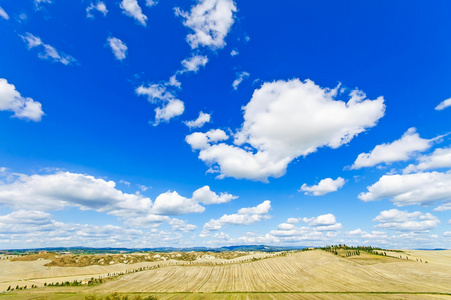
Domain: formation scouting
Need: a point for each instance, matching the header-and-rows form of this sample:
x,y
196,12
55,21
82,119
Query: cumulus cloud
x,y
328,219
239,78
245,216
288,119
200,121
411,189
99,6
47,52
193,63
320,229
171,203
399,150
171,109
261,209
118,47
440,158
23,107
180,225
325,186
132,9
206,196
199,140
3,14
444,104
234,53
63,189
210,20
159,93
395,219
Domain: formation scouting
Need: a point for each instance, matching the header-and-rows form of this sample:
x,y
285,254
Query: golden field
x,y
315,274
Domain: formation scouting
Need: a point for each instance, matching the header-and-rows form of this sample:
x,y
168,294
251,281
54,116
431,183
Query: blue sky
x,y
140,123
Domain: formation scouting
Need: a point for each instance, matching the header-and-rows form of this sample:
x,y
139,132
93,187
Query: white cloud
x,y
245,216
261,209
199,140
132,9
240,77
99,6
147,221
210,20
193,63
180,225
174,82
325,186
320,230
200,121
65,189
206,196
444,104
3,14
118,47
322,220
38,229
234,53
447,233
171,109
399,150
440,158
47,52
150,3
288,119
23,108
286,226
293,220
159,93
394,219
38,5
212,225
171,203
411,189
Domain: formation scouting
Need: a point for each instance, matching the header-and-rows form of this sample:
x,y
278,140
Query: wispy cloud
x,y
47,52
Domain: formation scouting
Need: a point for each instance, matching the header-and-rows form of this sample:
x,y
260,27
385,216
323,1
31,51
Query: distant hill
x,y
88,250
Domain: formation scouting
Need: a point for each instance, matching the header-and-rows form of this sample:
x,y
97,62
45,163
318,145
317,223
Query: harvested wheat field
x,y
313,274
311,271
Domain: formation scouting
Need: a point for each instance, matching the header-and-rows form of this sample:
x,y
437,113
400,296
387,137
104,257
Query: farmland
x,y
316,274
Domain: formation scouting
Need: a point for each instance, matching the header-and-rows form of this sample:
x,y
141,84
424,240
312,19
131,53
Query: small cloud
x,y
23,108
47,52
211,22
174,82
193,63
234,52
240,77
444,104
38,3
200,121
99,6
324,187
206,196
132,9
118,47
150,3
